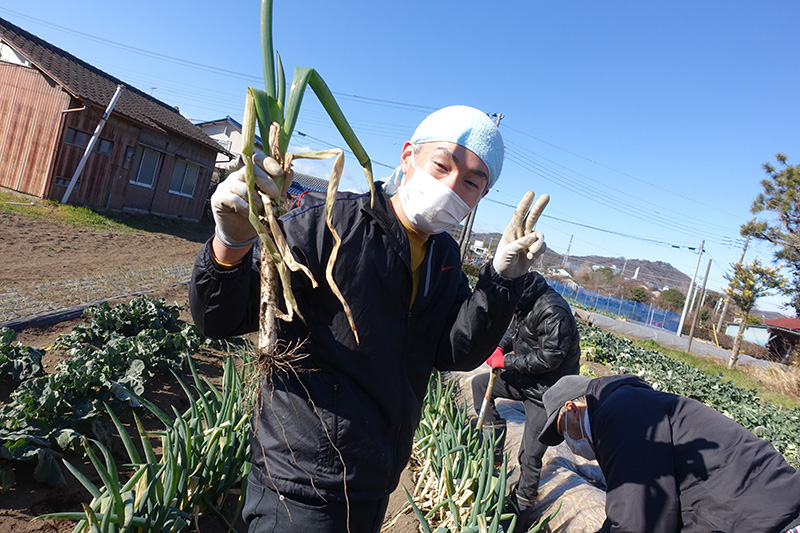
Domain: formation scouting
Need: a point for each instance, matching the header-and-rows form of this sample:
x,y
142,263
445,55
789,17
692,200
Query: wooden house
x,y
148,158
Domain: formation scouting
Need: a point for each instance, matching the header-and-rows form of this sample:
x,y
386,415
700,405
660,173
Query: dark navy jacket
x,y
347,419
674,464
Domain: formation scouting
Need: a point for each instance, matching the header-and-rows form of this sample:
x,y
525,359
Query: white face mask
x,y
430,205
580,446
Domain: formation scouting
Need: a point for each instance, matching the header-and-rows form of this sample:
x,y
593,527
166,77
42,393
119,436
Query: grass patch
x,y
59,213
587,371
85,217
743,377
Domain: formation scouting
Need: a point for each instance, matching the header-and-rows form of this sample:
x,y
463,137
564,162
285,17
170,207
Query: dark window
x,y
81,139
146,167
184,178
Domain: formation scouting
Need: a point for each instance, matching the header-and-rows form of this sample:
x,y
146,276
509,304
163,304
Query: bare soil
x,y
39,252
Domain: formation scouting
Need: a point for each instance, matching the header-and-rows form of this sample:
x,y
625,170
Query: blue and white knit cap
x,y
462,125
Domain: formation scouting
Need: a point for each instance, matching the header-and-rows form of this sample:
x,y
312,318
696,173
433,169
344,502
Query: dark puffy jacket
x,y
544,340
348,417
673,464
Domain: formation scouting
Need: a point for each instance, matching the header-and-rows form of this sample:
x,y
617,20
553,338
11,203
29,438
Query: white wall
x,y
230,138
756,335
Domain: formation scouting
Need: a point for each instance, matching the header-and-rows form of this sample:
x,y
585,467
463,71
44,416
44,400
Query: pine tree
x,y
748,283
781,197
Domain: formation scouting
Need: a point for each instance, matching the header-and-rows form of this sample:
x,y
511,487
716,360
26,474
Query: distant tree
x,y
781,196
591,279
705,314
754,320
470,270
637,294
607,272
713,299
748,283
672,299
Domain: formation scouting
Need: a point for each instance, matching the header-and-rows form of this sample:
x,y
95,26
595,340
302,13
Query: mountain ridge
x,y
659,275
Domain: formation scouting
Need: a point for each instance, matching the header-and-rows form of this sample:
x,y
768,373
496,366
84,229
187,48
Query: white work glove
x,y
230,207
520,245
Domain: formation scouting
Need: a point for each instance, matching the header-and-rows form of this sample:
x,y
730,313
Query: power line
x,y
354,97
137,50
211,68
305,135
593,161
606,200
612,232
599,196
521,157
605,185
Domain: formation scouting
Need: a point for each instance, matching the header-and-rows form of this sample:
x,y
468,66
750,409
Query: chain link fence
x,y
596,301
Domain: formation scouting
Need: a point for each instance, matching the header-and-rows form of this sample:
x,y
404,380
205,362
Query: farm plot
x,y
452,484
189,459
198,470
56,265
30,498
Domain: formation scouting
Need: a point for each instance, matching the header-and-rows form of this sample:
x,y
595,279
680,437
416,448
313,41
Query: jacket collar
x,y
535,286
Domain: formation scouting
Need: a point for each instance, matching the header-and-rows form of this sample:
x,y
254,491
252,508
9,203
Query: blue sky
x,y
646,122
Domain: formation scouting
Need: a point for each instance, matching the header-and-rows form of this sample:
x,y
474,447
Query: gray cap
x,y
566,389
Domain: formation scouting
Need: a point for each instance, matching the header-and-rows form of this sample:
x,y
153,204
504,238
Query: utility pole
x,y
566,256
728,299
92,142
467,231
697,313
694,299
689,292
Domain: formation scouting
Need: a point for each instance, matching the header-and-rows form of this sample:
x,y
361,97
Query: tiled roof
x,y
304,182
92,85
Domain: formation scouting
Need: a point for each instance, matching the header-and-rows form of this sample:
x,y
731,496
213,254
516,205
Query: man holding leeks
x,y
331,434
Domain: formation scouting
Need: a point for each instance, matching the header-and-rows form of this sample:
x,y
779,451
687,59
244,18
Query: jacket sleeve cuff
x,y
219,272
515,285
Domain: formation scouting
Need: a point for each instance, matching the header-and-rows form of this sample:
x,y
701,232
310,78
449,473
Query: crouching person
x,y
671,463
541,346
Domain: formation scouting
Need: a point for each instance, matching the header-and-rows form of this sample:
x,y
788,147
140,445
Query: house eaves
x,y
234,124
95,87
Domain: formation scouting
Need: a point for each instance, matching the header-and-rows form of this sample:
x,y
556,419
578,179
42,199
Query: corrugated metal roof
x,y
94,86
785,323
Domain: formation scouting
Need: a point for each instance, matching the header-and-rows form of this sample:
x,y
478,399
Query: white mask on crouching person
x,y
430,205
579,446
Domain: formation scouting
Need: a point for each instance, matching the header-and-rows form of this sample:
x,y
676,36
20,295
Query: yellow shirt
x,y
419,245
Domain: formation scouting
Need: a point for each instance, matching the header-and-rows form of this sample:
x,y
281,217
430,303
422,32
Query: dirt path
x,y
51,266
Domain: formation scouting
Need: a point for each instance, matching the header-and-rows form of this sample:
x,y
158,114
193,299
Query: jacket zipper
x,y
403,384
334,431
428,273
